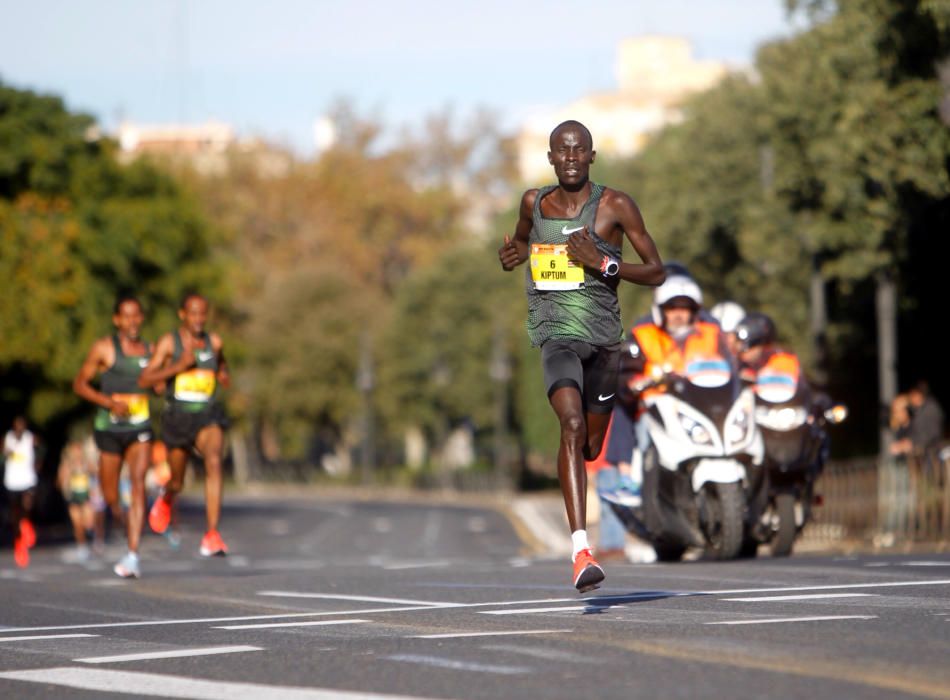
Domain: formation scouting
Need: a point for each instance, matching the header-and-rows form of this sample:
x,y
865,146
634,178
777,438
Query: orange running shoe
x,y
213,545
21,553
28,533
587,572
160,515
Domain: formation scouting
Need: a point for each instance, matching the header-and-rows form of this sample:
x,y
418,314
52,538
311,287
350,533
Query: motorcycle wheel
x,y
724,529
785,535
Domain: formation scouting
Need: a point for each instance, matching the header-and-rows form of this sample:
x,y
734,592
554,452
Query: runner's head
x,y
128,317
572,152
193,313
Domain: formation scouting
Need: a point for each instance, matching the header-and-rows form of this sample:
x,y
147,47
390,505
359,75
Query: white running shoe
x,y
128,566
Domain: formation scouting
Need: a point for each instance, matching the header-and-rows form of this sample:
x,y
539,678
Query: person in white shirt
x,y
19,479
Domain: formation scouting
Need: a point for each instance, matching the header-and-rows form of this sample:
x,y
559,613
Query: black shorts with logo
x,y
591,369
116,442
180,428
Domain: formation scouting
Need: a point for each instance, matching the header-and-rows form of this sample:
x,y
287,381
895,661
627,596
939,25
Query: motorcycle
x,y
702,438
793,426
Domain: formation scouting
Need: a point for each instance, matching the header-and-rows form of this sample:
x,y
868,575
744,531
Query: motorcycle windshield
x,y
713,398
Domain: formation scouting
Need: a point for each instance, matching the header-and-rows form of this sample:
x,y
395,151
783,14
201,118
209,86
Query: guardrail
x,y
887,502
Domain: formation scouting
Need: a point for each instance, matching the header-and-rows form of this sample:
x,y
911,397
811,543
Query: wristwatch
x,y
609,266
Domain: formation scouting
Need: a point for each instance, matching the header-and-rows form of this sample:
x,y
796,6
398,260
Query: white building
x,y
654,74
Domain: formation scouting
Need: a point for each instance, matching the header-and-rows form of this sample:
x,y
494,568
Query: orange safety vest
x,y
778,376
660,349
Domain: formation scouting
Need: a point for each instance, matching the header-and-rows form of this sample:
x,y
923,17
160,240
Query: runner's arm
x,y
82,384
160,368
224,373
650,272
515,250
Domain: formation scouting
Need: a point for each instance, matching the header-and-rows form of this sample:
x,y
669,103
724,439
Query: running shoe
x,y
587,572
28,533
21,553
128,566
213,545
160,515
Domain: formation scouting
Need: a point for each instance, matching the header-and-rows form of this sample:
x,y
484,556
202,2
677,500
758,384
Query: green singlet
x,y
590,313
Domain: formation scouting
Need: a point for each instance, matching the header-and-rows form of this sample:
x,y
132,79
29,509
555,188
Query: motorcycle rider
x,y
729,314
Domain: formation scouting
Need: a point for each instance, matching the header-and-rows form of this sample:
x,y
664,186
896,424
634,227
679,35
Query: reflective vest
x,y
659,349
776,380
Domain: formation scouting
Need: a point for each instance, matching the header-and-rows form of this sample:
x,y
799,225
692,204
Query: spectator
x,y
899,423
926,423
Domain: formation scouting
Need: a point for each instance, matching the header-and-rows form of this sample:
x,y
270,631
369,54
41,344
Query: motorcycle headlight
x,y
739,422
781,419
697,433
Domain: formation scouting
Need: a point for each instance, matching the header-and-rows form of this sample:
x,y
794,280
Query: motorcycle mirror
x,y
836,414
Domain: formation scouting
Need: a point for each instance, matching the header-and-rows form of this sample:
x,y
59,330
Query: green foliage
x,y
77,228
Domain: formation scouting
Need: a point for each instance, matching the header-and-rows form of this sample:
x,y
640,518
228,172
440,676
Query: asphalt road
x,y
340,598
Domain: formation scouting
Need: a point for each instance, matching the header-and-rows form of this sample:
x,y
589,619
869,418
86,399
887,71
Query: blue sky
x,y
271,68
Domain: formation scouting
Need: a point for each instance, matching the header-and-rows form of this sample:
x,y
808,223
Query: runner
x,y
573,233
123,428
19,479
191,361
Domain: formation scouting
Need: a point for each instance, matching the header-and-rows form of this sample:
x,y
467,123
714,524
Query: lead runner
x,y
573,234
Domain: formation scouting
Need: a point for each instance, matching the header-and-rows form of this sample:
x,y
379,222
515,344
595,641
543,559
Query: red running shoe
x,y
21,553
587,572
160,515
212,544
28,533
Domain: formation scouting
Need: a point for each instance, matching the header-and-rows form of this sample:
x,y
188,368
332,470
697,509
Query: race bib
x,y
552,269
195,385
79,483
138,409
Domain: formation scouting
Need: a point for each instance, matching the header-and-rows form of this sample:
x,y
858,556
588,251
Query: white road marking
x,y
601,601
360,598
424,564
925,563
382,525
522,611
441,662
140,684
171,654
45,636
795,619
316,623
816,596
456,635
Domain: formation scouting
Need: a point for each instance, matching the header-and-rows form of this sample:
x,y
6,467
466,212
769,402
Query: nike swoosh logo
x,y
568,231
601,397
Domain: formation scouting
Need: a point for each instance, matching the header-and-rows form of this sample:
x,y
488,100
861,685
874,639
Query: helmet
x,y
755,329
675,286
728,313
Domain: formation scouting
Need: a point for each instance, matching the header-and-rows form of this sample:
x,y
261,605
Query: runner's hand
x,y
120,409
580,246
508,255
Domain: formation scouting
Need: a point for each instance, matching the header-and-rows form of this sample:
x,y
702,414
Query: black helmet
x,y
755,329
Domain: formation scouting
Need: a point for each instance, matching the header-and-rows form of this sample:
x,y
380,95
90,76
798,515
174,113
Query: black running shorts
x,y
116,442
591,369
181,428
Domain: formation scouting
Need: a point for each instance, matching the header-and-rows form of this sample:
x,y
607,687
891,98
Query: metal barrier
x,y
886,502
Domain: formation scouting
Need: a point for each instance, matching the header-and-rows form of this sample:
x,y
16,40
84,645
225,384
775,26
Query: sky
x,y
272,68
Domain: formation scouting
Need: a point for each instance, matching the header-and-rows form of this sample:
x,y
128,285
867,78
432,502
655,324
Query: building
x,y
654,75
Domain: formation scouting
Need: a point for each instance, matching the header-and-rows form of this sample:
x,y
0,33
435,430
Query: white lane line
x,y
138,684
456,635
428,564
272,625
171,654
522,611
601,601
441,662
794,619
358,598
816,596
45,636
925,563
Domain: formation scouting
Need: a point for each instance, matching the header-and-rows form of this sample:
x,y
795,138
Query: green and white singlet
x,y
194,390
590,311
121,382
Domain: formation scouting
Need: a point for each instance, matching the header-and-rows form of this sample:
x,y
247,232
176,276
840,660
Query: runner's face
x,y
571,155
129,320
194,315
